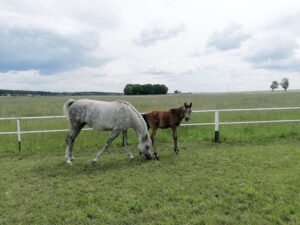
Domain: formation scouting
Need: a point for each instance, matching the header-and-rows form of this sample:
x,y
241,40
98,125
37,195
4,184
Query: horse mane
x,y
135,110
131,106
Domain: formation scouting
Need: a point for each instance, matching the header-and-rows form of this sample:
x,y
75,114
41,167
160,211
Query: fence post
x,y
19,134
217,126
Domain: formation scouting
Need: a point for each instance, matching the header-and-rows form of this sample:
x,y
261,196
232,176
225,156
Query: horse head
x,y
187,111
145,147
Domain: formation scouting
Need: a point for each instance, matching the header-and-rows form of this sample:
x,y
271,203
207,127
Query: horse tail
x,y
145,117
67,106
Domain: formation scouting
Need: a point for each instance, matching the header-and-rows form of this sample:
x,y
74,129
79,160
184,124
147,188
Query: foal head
x,y
187,111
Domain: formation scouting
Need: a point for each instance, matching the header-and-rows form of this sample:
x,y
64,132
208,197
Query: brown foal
x,y
167,119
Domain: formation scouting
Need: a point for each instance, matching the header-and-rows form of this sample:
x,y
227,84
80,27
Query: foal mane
x,y
176,111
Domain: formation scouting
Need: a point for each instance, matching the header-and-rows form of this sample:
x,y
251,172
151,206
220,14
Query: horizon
x,y
168,93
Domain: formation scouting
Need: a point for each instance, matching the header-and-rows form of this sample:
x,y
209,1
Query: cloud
x,y
288,24
43,50
157,31
156,71
93,80
229,38
60,16
273,53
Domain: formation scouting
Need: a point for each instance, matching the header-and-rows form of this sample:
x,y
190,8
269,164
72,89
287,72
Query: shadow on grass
x,y
108,163
53,169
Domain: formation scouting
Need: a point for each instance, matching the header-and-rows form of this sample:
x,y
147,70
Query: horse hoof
x,y
131,157
94,160
157,157
69,163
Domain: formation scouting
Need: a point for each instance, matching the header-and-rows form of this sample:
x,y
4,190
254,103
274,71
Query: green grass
x,y
204,184
251,177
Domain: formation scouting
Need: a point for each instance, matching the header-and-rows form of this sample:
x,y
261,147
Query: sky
x,y
188,45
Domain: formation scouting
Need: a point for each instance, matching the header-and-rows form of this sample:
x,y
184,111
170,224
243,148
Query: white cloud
x,y
229,38
28,49
274,53
158,31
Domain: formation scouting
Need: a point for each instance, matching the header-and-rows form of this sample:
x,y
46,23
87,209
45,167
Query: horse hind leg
x,y
69,145
73,133
125,144
114,134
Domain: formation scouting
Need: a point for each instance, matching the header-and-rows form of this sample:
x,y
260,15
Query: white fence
x,y
216,123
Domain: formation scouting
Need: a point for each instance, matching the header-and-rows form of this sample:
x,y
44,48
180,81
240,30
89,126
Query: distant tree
x,y
128,90
285,83
145,89
274,85
137,89
160,89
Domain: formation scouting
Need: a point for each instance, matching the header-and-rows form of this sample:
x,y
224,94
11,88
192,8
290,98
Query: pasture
x,y
250,177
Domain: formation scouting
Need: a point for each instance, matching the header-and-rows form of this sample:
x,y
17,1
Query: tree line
x,y
145,89
47,93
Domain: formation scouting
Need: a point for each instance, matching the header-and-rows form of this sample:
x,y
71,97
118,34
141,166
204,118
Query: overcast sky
x,y
188,45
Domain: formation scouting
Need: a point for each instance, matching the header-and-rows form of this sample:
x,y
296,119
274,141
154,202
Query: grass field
x,y
250,177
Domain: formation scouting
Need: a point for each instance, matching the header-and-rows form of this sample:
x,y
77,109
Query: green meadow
x,y
250,177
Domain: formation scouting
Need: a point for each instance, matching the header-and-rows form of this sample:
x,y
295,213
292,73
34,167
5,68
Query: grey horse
x,y
117,116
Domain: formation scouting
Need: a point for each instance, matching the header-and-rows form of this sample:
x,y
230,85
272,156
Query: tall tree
x,y
274,85
285,83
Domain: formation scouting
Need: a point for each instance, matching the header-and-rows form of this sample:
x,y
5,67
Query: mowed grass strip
x,y
204,184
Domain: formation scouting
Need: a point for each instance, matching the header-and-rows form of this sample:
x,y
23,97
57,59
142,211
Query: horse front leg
x,y
153,133
174,132
125,144
113,135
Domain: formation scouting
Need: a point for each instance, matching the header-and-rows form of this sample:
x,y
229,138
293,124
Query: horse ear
x,y
191,105
185,105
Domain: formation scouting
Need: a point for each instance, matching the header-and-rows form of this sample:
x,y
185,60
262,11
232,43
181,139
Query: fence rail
x,y
216,122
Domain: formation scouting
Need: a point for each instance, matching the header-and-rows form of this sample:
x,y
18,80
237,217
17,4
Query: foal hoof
x,y
176,151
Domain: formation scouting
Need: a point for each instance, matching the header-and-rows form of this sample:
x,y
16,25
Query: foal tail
x,y
66,107
145,117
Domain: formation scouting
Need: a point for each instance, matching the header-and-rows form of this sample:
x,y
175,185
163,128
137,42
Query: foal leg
x,y
73,133
153,133
113,135
125,144
174,132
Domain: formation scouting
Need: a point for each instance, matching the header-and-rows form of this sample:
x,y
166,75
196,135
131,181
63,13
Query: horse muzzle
x,y
148,156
